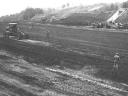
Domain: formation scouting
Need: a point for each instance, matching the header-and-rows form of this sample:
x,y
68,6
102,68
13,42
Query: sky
x,y
15,6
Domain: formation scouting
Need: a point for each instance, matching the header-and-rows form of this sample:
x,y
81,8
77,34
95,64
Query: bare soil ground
x,y
86,57
101,44
21,78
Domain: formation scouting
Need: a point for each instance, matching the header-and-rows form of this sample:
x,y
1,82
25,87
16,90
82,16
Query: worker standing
x,y
116,61
7,32
47,35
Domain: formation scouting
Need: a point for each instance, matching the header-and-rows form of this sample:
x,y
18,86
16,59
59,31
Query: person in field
x,y
47,35
116,61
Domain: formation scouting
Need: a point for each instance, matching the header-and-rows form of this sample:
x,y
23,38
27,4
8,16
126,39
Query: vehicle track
x,y
33,80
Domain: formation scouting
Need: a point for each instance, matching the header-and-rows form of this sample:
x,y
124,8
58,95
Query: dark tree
x,y
125,4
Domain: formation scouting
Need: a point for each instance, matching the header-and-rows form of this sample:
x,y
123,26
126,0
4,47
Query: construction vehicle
x,y
13,31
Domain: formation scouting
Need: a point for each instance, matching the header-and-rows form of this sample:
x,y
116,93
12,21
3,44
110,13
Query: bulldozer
x,y
13,31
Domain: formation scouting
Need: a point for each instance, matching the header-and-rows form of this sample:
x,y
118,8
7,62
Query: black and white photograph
x,y
64,48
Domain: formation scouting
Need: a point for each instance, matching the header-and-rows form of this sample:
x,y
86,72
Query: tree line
x,y
27,14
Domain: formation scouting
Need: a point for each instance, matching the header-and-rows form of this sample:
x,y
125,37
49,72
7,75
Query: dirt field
x,y
21,78
102,44
89,52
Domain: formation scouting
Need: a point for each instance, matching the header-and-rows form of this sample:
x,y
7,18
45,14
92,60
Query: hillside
x,y
52,14
84,18
26,14
78,15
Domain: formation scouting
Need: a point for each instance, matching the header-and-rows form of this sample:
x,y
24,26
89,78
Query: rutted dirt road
x,y
21,78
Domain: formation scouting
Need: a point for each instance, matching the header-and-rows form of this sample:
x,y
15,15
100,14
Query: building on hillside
x,y
120,16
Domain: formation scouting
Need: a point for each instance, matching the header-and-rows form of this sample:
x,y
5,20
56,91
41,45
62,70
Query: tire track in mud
x,y
42,76
88,80
15,89
44,83
29,87
34,71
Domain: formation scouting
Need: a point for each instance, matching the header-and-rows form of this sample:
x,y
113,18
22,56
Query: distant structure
x,y
119,13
